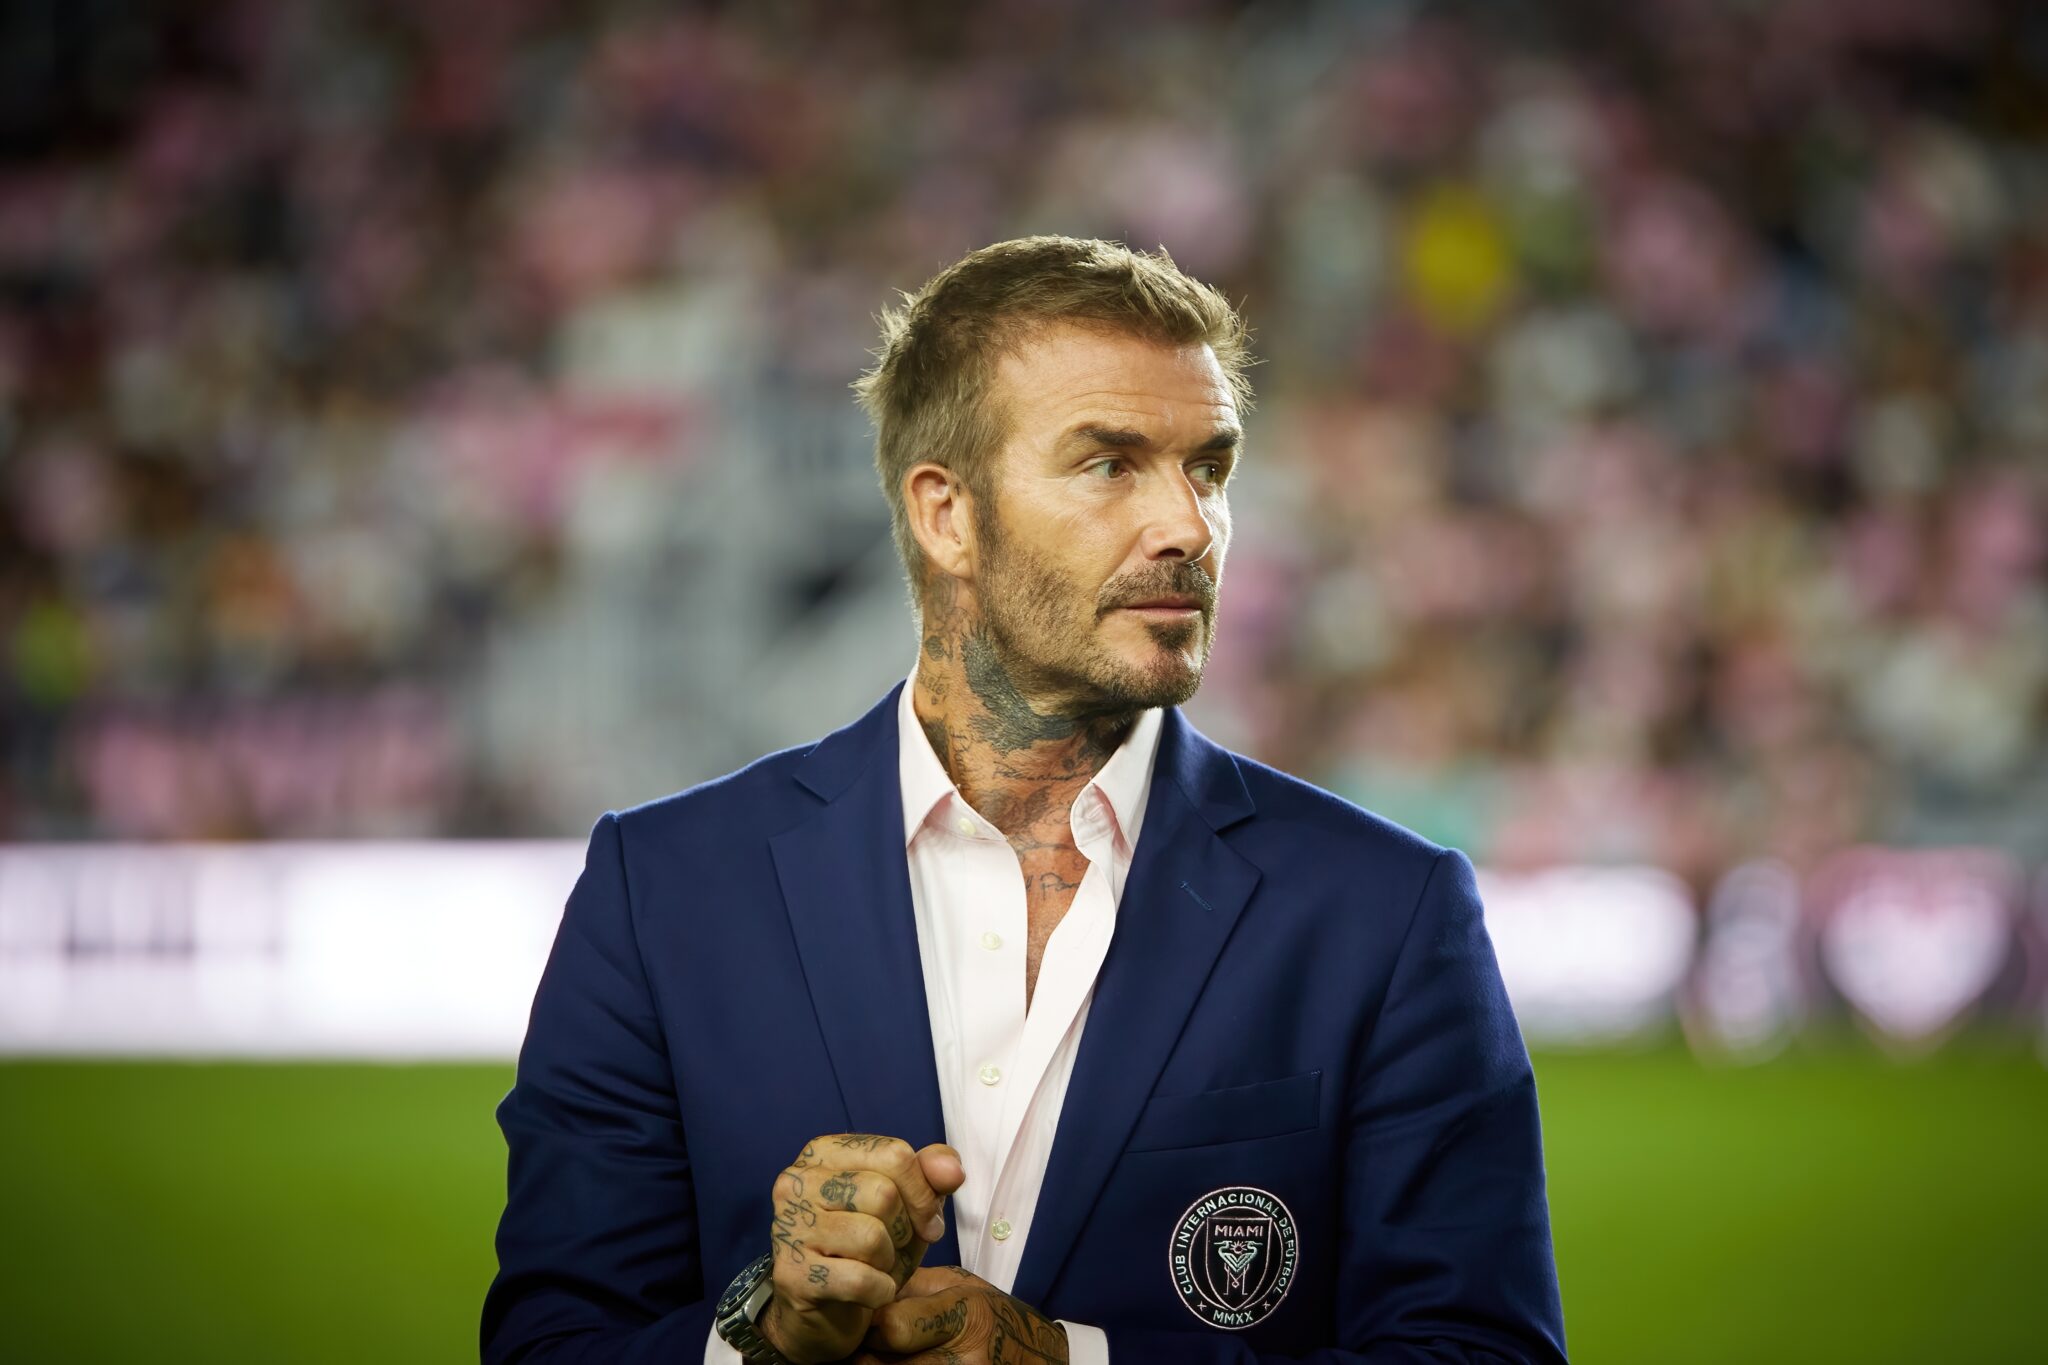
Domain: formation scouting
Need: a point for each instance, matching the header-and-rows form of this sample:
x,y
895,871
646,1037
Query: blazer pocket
x,y
1236,1114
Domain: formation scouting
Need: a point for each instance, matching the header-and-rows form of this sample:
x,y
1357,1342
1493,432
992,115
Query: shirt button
x,y
965,826
1001,1230
991,941
989,1075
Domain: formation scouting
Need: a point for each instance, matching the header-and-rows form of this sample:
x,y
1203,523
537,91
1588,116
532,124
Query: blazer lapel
x,y
1185,892
846,884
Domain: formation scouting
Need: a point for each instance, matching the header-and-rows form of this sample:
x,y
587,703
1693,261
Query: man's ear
x,y
941,513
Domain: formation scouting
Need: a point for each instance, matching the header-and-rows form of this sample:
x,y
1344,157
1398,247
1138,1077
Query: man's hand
x,y
948,1317
853,1215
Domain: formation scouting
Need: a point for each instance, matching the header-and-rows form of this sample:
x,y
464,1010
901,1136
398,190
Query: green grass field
x,y
1830,1206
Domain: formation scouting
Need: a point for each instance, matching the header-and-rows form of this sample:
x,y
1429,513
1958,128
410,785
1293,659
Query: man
x,y
1016,1021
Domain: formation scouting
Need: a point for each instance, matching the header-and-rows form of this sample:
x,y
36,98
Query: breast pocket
x,y
1237,1113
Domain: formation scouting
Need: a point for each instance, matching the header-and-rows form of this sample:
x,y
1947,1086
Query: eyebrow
x,y
1226,438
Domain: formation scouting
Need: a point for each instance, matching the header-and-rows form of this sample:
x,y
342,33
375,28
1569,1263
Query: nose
x,y
1178,522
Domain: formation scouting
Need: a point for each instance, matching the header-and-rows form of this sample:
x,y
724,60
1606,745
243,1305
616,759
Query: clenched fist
x,y
947,1316
852,1217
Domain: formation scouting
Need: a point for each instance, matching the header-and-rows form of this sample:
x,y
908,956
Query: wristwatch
x,y
740,1307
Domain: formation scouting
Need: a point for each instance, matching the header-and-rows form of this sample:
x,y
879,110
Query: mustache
x,y
1177,579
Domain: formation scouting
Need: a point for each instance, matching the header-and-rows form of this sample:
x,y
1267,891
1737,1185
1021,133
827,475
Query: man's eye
x,y
1106,469
1210,471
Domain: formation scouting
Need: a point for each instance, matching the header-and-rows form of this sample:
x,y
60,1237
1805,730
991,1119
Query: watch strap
x,y
739,1312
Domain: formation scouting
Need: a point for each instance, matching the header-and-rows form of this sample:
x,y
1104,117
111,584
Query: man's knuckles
x,y
850,1237
894,1158
889,1154
861,1192
832,1286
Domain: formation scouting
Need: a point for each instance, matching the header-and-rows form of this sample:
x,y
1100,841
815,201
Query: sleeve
x,y
1446,1252
598,1255
1085,1345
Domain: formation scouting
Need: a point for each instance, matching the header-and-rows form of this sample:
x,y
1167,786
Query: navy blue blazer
x,y
1302,1123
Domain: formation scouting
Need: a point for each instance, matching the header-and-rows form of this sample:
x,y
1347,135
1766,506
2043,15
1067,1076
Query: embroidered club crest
x,y
1233,1256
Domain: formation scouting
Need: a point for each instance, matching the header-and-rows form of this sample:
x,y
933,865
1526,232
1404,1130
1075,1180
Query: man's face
x,y
1099,562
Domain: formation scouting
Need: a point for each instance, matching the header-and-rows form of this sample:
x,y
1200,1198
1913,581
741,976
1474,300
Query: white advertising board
x,y
425,950
432,950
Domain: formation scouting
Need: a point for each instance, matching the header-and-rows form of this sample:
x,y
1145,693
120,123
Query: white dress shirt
x,y
1003,1068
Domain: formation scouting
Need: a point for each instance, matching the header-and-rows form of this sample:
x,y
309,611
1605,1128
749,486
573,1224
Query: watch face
x,y
742,1285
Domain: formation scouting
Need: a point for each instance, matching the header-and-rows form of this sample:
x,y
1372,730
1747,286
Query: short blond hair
x,y
928,392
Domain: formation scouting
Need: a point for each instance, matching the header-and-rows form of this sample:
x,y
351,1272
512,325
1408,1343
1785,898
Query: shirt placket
x,y
989,967
1066,976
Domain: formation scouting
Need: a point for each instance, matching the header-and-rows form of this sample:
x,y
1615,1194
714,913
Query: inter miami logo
x,y
1233,1256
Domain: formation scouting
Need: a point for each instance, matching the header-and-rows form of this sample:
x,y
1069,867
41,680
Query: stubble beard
x,y
1030,632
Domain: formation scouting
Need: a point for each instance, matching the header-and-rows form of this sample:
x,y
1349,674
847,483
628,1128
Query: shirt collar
x,y
1125,781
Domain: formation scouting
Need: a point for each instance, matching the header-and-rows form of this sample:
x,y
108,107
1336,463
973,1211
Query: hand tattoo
x,y
839,1191
1020,1334
782,1227
786,1239
907,1257
861,1142
1024,1336
950,1319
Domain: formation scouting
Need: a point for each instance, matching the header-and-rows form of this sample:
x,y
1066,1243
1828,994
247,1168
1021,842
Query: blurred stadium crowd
x,y
1649,462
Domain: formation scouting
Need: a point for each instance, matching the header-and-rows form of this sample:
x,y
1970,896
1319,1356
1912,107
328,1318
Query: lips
x,y
1161,590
